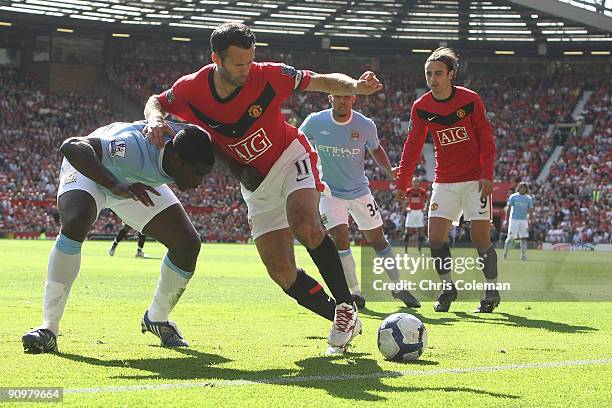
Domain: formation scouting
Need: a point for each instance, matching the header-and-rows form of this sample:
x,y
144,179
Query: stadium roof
x,y
439,20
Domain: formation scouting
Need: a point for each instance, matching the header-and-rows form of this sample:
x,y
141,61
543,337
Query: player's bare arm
x,y
249,176
85,154
506,221
340,84
156,125
380,157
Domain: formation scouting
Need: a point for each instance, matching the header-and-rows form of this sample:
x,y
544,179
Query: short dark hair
x,y
447,56
193,145
229,34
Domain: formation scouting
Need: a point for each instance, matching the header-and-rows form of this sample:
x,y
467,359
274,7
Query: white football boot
x,y
346,326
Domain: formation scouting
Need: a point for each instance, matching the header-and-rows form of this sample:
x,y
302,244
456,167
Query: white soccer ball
x,y
402,337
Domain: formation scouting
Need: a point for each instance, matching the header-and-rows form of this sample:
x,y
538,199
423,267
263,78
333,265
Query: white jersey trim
x,y
160,161
341,123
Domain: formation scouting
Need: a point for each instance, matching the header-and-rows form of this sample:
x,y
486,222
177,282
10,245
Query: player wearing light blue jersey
x,y
341,136
115,167
521,207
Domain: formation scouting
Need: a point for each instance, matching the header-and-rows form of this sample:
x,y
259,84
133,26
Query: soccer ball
x,y
402,337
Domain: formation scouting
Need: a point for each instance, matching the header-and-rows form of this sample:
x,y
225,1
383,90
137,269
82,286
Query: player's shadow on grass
x,y
442,320
353,378
356,377
508,319
191,365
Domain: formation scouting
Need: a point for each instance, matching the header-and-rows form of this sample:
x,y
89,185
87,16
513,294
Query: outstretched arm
x,y
340,84
249,176
411,152
156,126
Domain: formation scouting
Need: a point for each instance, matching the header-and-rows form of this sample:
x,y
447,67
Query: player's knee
x,y
188,248
309,234
76,224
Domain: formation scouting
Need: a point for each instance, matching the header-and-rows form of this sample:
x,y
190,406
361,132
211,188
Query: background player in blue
x,y
340,136
116,167
521,207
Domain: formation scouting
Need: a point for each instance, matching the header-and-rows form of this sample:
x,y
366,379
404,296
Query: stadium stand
x,y
570,206
574,204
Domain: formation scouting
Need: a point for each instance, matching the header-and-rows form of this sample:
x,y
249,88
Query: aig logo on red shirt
x,y
453,135
252,146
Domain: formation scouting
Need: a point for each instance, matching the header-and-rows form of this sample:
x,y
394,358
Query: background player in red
x,y
415,202
239,102
464,152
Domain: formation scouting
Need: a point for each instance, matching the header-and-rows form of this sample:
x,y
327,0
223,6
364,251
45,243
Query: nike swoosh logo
x,y
301,179
432,118
483,212
214,126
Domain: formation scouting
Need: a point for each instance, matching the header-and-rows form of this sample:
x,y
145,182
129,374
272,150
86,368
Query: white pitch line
x,y
347,377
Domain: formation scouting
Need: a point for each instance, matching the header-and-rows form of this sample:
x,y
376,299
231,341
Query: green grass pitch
x,y
251,345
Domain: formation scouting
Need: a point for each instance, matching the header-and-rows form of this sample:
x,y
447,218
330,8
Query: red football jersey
x,y
248,124
416,198
463,139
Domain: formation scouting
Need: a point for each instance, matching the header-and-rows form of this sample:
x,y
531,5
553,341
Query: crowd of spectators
x,y
574,204
33,124
571,206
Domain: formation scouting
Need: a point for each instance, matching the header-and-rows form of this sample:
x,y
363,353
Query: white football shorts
x,y
518,229
364,210
451,200
415,219
298,167
132,212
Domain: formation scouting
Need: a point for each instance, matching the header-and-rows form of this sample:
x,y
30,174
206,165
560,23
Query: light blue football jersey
x,y
129,156
520,205
341,147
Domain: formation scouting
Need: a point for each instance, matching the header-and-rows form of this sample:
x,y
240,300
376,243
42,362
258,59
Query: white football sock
x,y
350,271
62,270
523,248
507,245
171,285
391,272
446,279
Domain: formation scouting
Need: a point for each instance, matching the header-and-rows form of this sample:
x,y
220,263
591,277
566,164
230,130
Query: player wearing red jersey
x,y
239,102
415,202
464,152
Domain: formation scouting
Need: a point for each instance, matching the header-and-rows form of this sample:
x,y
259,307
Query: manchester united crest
x,y
355,135
460,113
255,111
434,206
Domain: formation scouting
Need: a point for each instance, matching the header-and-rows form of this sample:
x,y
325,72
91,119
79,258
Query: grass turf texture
x,y
252,345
